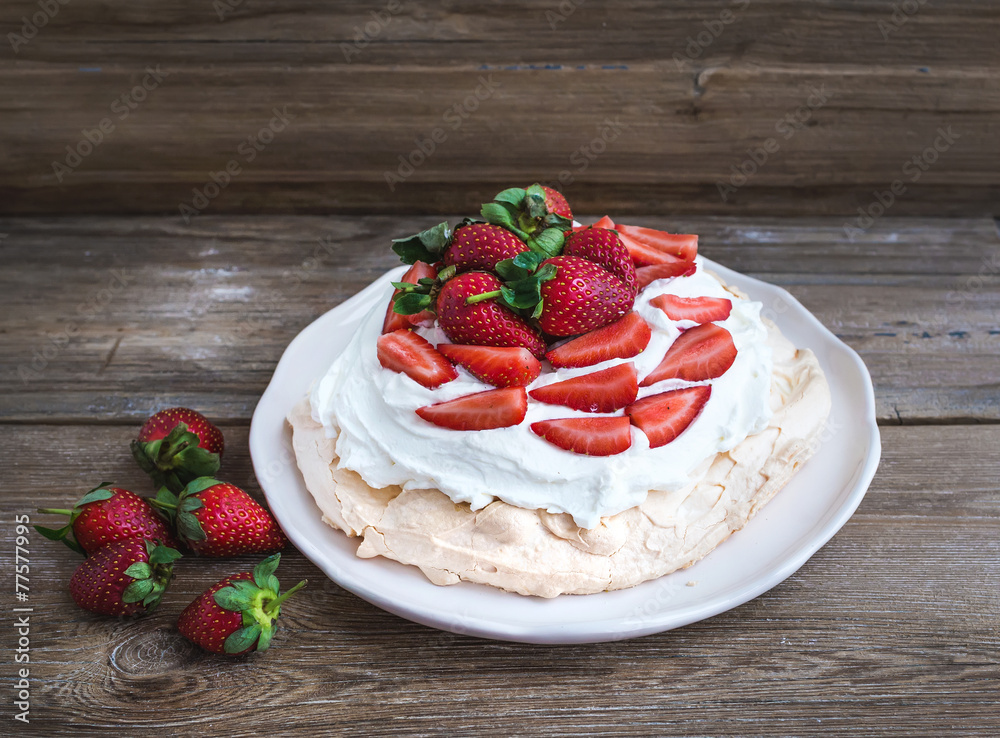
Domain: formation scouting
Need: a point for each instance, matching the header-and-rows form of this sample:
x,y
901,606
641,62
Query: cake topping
x,y
587,436
665,416
599,392
623,339
499,408
501,366
413,355
702,353
695,309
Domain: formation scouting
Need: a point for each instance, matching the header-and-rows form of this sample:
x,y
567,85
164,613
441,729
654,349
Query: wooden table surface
x,y
892,628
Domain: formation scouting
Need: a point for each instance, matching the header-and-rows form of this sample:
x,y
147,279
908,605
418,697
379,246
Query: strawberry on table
x,y
106,515
665,416
599,392
480,246
395,321
469,313
697,309
177,445
411,354
499,408
623,339
237,614
605,436
126,577
501,366
704,352
217,519
649,274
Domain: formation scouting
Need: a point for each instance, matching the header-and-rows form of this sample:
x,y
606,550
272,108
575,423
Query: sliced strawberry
x,y
589,436
649,274
411,354
665,416
704,352
623,339
497,408
395,321
501,366
649,246
604,222
600,392
698,309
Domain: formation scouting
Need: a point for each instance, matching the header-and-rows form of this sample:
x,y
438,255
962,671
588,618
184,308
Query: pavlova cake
x,y
552,408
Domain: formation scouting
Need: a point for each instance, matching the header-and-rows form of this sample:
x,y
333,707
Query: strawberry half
x,y
409,353
237,614
501,366
648,246
217,519
649,274
623,339
177,445
556,203
581,296
587,436
123,578
704,352
665,416
106,515
600,392
499,408
484,321
481,246
395,321
604,248
604,222
697,309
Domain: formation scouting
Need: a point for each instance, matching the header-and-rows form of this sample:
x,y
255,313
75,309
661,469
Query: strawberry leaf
x,y
54,534
512,196
265,637
548,242
425,246
266,569
189,528
98,493
242,639
229,598
137,590
164,555
498,214
410,303
139,570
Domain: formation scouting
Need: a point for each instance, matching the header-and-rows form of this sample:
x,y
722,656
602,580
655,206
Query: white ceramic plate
x,y
803,516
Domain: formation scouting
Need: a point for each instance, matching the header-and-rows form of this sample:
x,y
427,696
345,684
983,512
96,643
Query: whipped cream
x,y
371,412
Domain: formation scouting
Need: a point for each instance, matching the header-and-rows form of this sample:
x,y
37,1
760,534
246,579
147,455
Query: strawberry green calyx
x,y
151,579
258,602
179,509
175,460
522,290
100,492
525,213
415,298
426,246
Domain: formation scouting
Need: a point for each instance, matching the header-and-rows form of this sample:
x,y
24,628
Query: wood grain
x,y
686,117
110,318
890,629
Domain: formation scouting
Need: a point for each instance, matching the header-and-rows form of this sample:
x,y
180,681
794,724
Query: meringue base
x,y
533,552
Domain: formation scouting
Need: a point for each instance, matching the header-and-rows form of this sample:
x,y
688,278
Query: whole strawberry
x,y
217,519
106,515
177,445
481,246
124,578
238,614
604,248
469,313
556,203
581,297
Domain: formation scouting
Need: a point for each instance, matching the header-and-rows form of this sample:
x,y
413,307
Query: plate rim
x,y
589,631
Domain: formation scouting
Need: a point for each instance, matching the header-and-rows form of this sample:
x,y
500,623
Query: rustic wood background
x,y
690,91
114,304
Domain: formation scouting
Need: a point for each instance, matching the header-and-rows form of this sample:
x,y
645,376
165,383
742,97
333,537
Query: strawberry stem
x,y
160,504
54,511
473,299
278,600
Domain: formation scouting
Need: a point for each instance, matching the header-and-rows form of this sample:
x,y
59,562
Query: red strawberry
x,y
556,203
589,436
600,392
603,247
698,309
177,445
219,519
238,614
411,354
499,408
704,352
395,321
581,297
484,322
481,246
124,578
623,339
648,246
105,515
501,366
649,274
604,222
663,417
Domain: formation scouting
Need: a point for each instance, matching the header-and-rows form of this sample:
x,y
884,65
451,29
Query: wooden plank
x,y
108,319
876,635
